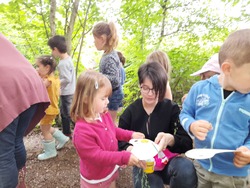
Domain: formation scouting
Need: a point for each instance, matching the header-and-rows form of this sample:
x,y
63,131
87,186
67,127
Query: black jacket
x,y
164,118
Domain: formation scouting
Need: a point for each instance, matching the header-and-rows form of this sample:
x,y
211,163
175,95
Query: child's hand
x,y
138,135
134,161
183,98
242,158
46,82
200,129
129,148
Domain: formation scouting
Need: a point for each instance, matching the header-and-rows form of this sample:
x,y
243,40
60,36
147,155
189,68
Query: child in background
x,y
217,112
122,70
46,66
122,73
67,79
209,69
162,58
95,135
106,39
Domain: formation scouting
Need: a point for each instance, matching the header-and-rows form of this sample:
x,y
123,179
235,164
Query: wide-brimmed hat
x,y
211,65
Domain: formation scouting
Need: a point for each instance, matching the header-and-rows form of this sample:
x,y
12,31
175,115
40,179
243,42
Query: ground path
x,y
61,171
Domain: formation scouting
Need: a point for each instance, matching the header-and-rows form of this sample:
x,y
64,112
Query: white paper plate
x,y
144,149
205,153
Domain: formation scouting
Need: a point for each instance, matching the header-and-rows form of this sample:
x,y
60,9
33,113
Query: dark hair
x,y
121,57
48,60
58,42
156,73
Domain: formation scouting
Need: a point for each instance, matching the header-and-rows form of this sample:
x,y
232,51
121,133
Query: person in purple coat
x,y
23,100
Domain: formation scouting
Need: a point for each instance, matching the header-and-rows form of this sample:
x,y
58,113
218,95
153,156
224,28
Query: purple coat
x,y
21,86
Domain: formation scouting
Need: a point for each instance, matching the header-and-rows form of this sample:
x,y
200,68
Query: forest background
x,y
189,31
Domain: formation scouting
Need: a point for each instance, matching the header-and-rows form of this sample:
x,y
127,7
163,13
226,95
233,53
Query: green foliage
x,y
189,31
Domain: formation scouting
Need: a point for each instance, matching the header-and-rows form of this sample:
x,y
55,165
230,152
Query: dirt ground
x,y
61,171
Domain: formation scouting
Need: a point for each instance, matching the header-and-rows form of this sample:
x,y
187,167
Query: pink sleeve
x,y
123,135
88,148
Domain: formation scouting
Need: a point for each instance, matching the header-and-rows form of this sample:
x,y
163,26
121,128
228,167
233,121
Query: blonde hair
x,y
162,58
236,48
108,29
87,86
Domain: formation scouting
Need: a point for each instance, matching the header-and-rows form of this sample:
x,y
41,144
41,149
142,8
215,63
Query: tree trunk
x,y
52,17
83,35
71,24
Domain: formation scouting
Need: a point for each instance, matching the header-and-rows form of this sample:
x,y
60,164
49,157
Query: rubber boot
x,y
61,138
49,150
21,178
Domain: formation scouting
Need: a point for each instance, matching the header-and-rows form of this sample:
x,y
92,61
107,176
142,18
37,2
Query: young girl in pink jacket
x,y
96,136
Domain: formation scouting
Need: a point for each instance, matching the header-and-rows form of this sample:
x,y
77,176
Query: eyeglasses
x,y
145,89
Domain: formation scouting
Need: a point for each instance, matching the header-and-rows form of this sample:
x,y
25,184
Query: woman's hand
x,y
138,135
164,140
242,158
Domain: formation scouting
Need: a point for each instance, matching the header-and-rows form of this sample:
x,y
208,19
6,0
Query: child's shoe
x,y
61,138
49,150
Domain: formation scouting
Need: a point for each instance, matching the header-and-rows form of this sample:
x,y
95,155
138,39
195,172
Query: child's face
x,y
99,42
207,75
239,78
55,52
41,69
101,101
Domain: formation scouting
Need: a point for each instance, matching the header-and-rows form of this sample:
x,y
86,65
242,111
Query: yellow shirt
x,y
53,92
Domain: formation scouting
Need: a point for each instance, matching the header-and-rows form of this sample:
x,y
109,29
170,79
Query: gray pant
x,y
208,179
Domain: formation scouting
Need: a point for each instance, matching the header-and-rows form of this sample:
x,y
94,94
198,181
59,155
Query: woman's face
x,y
148,92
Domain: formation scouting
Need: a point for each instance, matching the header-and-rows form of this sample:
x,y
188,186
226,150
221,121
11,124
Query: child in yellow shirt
x,y
46,66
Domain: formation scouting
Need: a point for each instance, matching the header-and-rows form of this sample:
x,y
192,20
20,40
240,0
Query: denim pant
x,y
115,100
66,101
12,149
178,173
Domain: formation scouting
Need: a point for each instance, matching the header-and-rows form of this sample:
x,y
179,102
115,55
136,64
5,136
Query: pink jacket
x,y
97,147
20,86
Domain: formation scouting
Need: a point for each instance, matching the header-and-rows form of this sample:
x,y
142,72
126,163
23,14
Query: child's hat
x,y
211,65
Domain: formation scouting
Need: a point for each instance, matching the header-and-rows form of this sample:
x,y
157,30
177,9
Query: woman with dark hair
x,y
158,118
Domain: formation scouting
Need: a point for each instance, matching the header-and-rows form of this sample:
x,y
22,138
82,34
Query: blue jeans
x,y
115,100
178,173
12,149
66,101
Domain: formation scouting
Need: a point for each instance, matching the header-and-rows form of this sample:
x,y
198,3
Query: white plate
x,y
144,149
205,153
